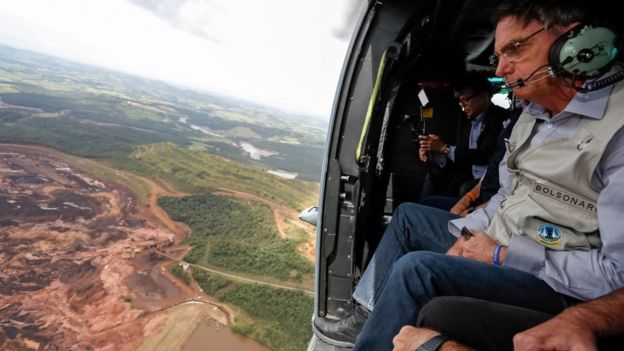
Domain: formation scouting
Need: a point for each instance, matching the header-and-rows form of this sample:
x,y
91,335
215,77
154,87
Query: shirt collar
x,y
592,104
479,118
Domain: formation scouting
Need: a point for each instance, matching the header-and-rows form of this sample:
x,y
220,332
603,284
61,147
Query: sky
x,y
282,53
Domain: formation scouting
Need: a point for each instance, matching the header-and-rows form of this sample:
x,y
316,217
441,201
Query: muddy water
x,y
210,335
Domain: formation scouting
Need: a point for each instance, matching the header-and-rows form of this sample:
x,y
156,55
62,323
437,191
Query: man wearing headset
x,y
552,236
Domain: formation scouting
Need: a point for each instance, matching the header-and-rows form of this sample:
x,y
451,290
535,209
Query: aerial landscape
x,y
137,215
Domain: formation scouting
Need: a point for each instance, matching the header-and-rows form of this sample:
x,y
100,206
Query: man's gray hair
x,y
554,14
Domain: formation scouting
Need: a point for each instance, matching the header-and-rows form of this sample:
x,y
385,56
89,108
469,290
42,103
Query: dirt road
x,y
236,277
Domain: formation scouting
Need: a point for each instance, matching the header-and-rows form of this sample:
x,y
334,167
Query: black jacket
x,y
490,183
486,144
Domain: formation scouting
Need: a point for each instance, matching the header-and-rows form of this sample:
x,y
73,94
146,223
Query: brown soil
x,y
76,270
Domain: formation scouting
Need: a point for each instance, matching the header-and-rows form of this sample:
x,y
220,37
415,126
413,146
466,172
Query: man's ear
x,y
568,27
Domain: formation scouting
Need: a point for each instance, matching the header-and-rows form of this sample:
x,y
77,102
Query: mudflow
x,y
76,268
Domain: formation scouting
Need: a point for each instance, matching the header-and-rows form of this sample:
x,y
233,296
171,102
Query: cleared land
x,y
71,247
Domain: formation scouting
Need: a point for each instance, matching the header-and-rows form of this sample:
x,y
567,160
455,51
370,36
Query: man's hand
x,y
457,248
479,247
409,338
431,143
559,333
422,155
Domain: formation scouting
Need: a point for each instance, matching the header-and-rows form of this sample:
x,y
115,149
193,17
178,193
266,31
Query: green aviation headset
x,y
584,51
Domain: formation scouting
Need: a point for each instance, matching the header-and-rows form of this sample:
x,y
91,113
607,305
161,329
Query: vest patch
x,y
565,197
549,234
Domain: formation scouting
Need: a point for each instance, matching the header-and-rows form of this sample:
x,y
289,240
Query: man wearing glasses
x,y
477,136
553,235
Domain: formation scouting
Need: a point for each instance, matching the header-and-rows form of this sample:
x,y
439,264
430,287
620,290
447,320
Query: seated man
x,y
477,136
489,184
552,234
487,326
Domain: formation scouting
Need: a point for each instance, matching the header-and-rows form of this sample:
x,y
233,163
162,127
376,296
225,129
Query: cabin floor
x,y
317,344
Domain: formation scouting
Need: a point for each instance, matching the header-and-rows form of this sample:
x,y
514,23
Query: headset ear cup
x,y
584,51
554,53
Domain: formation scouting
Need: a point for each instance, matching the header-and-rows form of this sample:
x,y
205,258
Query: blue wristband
x,y
496,258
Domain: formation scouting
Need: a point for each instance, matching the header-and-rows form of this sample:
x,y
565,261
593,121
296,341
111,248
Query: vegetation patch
x,y
177,270
212,285
243,132
237,236
45,102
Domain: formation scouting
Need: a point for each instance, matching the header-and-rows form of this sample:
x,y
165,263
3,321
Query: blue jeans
x,y
410,268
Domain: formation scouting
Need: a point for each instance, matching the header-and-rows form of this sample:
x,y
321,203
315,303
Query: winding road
x,y
234,276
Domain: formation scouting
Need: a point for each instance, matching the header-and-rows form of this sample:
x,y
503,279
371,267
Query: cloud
x,y
350,11
205,18
167,9
197,17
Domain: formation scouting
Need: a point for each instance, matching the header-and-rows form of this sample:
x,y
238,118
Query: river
x,y
210,335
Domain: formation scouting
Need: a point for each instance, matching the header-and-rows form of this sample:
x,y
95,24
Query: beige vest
x,y
552,201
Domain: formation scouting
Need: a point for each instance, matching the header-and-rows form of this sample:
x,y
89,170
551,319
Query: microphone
x,y
521,82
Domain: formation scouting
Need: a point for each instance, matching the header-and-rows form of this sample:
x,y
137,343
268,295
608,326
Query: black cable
x,y
599,84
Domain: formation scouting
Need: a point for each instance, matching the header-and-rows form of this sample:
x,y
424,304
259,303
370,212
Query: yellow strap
x,y
371,107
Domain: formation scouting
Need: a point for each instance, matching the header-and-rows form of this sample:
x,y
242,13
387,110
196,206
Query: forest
x,y
237,236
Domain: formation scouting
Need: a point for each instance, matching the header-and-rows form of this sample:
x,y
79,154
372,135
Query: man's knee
x,y
416,261
409,212
408,208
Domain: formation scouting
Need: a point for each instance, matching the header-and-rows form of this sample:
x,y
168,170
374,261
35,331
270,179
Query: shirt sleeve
x,y
584,274
439,160
451,153
477,220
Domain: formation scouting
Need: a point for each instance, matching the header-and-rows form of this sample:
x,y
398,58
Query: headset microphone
x,y
521,82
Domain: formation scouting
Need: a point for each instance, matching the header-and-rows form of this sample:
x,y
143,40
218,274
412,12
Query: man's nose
x,y
502,67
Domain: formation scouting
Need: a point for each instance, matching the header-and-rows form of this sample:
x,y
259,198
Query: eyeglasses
x,y
466,100
511,51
